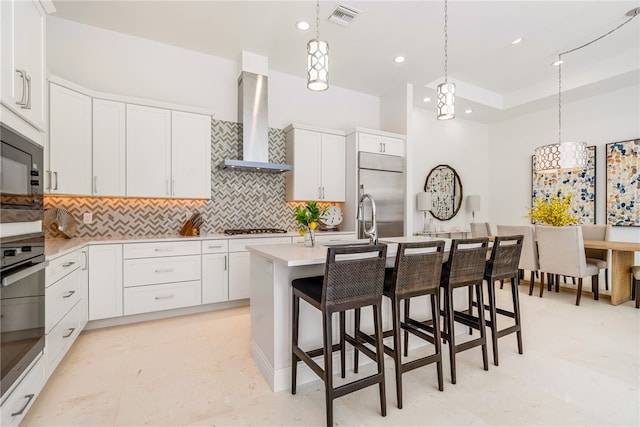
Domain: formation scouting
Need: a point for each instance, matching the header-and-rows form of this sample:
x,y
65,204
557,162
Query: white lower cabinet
x,y
215,271
105,281
145,299
60,338
16,405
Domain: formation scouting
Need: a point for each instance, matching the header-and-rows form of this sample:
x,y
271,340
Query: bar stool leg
x,y
406,333
491,291
483,327
435,315
328,366
343,360
395,308
294,340
356,316
377,320
450,328
516,313
470,311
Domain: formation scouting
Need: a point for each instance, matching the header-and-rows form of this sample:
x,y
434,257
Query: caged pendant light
x,y
317,59
568,154
446,90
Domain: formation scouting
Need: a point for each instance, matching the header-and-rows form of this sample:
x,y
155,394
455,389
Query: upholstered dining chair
x,y
600,257
561,252
480,229
529,257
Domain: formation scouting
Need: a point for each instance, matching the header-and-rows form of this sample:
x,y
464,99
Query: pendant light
x,y
317,59
446,90
568,154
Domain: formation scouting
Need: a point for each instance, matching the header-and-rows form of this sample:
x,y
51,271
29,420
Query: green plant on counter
x,y
308,215
555,212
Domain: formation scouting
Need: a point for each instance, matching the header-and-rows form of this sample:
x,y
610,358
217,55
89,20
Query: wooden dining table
x,y
622,258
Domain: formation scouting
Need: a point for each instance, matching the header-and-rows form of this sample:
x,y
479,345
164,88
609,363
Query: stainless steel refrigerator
x,y
382,177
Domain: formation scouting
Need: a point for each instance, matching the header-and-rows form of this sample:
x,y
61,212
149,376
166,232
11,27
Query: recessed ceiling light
x,y
302,25
426,99
558,62
517,41
468,111
398,59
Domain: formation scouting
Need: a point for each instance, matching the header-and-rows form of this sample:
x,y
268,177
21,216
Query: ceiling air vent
x,y
343,15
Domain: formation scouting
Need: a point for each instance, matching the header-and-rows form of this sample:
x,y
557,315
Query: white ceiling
x,y
494,78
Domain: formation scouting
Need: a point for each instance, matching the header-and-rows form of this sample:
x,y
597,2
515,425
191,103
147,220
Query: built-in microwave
x,y
21,178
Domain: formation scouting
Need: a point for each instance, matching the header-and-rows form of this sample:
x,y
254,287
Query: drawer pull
x,y
165,249
29,399
69,333
165,297
215,247
67,264
164,270
68,294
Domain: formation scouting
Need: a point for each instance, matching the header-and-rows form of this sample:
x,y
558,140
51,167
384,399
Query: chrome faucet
x,y
372,232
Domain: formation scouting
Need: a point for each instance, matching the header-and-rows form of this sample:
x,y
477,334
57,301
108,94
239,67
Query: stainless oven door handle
x,y
13,278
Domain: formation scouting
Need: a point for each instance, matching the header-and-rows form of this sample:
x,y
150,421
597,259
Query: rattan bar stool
x,y
503,264
416,273
464,268
353,278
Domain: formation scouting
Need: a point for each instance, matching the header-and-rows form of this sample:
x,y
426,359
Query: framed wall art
x,y
580,183
623,183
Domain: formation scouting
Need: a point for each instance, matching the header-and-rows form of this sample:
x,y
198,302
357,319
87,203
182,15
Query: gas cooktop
x,y
255,231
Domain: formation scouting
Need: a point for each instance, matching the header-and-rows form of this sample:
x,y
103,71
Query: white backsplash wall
x,y
238,199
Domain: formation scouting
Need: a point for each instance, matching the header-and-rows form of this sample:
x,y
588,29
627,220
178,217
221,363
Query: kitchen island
x,y
273,267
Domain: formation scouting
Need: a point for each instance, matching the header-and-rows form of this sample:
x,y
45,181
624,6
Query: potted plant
x,y
556,211
307,216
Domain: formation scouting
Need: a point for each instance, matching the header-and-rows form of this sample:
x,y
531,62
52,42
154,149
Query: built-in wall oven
x,y
22,299
22,267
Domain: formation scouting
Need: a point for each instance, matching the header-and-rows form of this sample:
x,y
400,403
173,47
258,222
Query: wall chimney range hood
x,y
254,119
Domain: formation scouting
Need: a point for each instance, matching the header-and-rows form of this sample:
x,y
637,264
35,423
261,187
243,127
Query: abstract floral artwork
x,y
580,183
623,183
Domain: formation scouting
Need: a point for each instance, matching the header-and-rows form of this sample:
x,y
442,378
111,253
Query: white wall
x,y
112,62
598,120
459,143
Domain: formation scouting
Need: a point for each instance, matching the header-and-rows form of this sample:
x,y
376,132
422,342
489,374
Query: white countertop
x,y
55,248
296,254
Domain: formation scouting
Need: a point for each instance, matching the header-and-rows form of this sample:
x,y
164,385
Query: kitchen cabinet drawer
x,y
60,267
239,245
61,337
151,271
60,297
20,400
144,299
214,246
161,249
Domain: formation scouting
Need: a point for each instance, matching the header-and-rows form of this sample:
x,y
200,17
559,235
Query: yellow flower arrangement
x,y
555,212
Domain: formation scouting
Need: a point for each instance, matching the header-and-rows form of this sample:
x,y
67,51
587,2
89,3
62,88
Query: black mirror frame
x,y
459,198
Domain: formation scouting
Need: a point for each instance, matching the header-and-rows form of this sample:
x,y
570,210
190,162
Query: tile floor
x,y
581,366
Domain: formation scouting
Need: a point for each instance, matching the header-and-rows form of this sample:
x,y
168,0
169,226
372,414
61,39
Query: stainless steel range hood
x,y
253,116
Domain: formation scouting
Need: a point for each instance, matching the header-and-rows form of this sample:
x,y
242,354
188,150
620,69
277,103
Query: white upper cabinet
x,y
69,150
318,160
23,60
148,152
380,144
109,148
190,155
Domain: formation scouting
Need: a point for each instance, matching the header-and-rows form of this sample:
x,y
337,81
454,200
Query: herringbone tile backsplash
x,y
238,199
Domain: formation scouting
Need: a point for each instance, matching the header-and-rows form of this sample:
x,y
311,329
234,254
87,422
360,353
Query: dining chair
x,y
480,229
561,251
353,278
600,257
416,273
529,257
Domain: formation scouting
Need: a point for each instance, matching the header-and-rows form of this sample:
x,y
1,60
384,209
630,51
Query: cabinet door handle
x,y
319,192
29,399
173,187
95,185
165,297
384,147
23,101
67,264
323,195
28,106
68,334
164,270
55,174
48,180
68,294
215,247
225,263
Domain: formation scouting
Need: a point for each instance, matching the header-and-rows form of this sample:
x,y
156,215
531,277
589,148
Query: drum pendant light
x,y
317,59
446,90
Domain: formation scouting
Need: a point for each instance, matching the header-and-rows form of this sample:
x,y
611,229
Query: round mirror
x,y
445,187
